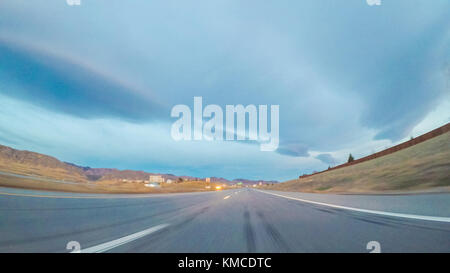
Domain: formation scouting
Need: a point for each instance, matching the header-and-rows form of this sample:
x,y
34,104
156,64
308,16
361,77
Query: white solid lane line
x,y
394,214
118,242
226,197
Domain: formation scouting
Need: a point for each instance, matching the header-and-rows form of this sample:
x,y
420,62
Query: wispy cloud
x,y
66,84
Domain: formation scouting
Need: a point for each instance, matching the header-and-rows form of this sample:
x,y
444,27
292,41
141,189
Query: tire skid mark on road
x,y
123,240
368,211
191,218
386,220
370,221
410,223
326,210
160,237
97,228
248,231
273,233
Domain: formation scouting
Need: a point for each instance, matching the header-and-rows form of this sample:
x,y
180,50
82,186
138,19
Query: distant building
x,y
169,181
156,179
208,180
132,181
153,185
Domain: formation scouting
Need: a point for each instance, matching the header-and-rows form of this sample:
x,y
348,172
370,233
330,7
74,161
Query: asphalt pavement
x,y
239,220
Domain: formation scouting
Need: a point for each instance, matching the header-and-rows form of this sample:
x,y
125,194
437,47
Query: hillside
x,y
35,164
43,166
421,167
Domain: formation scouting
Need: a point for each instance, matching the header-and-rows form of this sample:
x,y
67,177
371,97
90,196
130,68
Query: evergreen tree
x,y
350,158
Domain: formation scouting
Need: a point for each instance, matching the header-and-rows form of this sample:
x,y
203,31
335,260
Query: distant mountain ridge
x,y
31,163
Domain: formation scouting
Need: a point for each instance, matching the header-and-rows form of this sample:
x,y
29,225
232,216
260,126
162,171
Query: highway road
x,y
240,220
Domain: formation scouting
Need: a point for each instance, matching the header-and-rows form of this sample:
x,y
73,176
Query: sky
x,y
94,84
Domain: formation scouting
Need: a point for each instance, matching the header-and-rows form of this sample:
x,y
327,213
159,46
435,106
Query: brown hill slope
x,y
421,167
30,163
35,164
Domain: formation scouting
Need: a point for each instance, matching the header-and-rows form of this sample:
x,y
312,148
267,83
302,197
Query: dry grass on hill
x,y
422,167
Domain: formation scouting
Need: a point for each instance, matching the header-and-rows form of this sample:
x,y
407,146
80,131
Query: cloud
x,y
65,85
327,159
293,149
411,84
